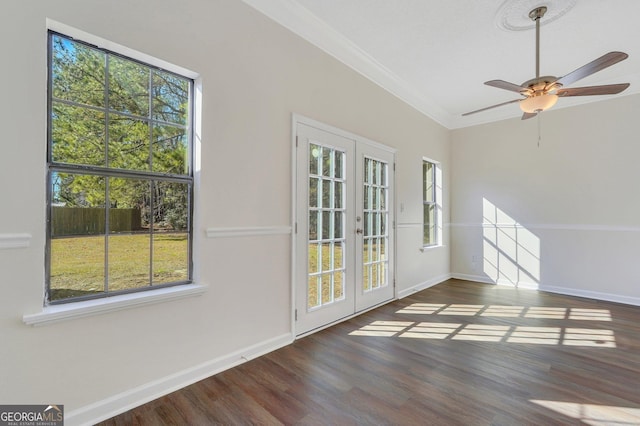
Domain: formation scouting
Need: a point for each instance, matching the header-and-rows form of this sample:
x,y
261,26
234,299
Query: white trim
x,y
119,403
305,24
118,48
67,311
301,119
567,291
248,231
11,241
609,297
422,286
409,225
526,285
548,226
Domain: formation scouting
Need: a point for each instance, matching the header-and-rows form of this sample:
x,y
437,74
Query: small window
x,y
119,174
430,207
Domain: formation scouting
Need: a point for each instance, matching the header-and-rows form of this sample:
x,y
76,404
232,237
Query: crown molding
x,y
302,22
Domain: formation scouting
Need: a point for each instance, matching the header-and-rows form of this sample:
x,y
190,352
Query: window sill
x,y
68,311
432,247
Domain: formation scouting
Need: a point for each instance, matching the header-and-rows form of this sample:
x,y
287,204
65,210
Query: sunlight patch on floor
x,y
593,414
583,337
507,311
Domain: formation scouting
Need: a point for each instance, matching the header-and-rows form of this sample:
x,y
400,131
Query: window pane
x,y
170,98
128,143
128,86
169,147
428,186
429,224
129,261
77,230
77,135
77,72
170,232
129,257
429,213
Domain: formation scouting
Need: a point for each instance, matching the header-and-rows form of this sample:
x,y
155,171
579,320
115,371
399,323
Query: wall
x,y
562,216
254,75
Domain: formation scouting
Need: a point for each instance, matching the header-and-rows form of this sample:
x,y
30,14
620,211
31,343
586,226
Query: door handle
x,y
359,231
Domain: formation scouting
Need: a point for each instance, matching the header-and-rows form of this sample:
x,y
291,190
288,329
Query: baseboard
x,y
484,279
568,291
117,404
426,284
609,297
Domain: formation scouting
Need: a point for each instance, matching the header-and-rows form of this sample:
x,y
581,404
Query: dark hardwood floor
x,y
459,353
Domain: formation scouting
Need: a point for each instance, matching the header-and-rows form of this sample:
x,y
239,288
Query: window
x,y
119,174
430,208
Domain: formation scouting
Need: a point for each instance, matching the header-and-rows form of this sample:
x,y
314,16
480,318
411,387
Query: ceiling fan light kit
x,y
538,103
542,93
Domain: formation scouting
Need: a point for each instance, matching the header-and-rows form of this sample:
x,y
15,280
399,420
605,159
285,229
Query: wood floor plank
x,y
459,353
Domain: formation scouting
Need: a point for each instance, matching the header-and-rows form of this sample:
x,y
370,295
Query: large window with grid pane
x,y
119,174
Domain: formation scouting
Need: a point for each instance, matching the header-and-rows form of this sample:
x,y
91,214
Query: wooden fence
x,y
90,221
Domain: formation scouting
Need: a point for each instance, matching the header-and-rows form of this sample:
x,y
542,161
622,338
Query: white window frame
x,y
67,311
436,203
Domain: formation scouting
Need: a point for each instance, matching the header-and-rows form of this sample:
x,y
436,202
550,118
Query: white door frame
x,y
300,119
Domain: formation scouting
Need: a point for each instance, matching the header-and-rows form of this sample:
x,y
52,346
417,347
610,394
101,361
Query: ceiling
x,y
436,55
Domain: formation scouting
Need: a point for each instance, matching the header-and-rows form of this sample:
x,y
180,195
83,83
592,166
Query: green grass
x,y
78,263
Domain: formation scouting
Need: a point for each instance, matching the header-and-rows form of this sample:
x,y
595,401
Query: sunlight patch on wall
x,y
511,253
593,414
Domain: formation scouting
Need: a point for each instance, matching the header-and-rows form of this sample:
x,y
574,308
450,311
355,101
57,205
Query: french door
x,y
344,216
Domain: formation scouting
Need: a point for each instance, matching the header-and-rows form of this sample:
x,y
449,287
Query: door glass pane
x,y
338,201
314,153
326,193
314,222
326,161
375,224
312,294
314,183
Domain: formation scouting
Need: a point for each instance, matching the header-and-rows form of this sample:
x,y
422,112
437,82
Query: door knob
x,y
359,231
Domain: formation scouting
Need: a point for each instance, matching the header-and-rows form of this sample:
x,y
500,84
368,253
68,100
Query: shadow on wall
x,y
510,252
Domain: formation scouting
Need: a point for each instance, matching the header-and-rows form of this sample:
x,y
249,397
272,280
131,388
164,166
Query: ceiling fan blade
x,y
501,84
609,89
490,107
528,115
592,67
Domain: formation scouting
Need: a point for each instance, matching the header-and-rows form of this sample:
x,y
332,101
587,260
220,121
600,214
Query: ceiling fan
x,y
541,93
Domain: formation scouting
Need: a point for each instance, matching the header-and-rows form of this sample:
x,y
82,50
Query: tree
x,y
109,112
